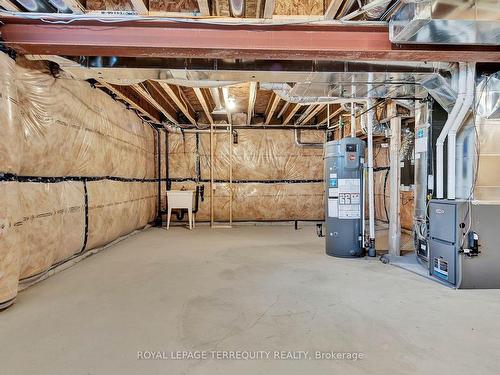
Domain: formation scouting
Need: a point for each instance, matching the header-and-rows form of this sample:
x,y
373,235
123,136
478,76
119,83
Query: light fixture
x,y
231,104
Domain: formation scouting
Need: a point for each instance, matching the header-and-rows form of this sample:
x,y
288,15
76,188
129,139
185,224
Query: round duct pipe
x,y
237,8
376,12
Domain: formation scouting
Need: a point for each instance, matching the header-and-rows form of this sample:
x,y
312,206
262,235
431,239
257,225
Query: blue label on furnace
x,y
333,182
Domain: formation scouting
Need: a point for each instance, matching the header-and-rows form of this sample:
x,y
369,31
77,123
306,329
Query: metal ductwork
x,y
454,22
488,97
51,6
237,7
36,6
328,82
378,9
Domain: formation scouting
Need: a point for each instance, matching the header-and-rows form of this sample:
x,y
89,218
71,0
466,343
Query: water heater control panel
x,y
351,156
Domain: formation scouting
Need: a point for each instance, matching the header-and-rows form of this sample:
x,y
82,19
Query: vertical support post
x,y
212,187
230,136
371,194
353,121
394,182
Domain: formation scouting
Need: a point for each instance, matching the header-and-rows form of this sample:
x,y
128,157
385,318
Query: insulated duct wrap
x,y
77,170
273,178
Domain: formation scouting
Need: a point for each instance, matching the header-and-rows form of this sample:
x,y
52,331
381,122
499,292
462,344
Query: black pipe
x,y
200,194
258,127
158,145
167,167
185,179
385,200
198,164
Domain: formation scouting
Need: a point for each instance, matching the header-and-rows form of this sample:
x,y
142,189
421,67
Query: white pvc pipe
x,y
446,128
353,121
371,194
395,180
452,135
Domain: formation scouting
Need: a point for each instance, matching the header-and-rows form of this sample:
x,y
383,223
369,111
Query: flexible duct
x,y
446,128
457,124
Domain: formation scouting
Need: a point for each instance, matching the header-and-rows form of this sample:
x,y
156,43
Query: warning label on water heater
x,y
349,206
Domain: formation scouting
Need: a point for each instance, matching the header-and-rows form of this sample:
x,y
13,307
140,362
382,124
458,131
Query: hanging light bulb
x,y
231,104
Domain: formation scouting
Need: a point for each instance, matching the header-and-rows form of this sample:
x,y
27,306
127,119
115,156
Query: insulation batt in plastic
x,y
57,128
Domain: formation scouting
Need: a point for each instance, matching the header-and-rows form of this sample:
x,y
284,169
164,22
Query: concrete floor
x,y
249,288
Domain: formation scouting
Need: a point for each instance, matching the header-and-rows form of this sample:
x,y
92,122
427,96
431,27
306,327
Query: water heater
x,y
344,197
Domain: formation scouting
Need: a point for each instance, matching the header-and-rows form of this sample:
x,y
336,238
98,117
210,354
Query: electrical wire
x,y
190,20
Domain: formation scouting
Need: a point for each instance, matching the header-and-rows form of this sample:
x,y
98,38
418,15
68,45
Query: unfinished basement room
x,y
249,187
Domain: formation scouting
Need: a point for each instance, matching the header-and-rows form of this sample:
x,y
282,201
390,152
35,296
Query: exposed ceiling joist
x,y
174,92
252,95
159,95
258,8
314,110
290,112
204,7
203,98
9,5
271,107
332,9
134,99
323,117
283,109
269,8
304,114
139,6
227,106
149,92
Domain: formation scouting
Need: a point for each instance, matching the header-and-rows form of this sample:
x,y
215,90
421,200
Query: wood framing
x,y
333,9
150,92
225,95
304,114
283,109
138,5
314,109
134,99
202,96
334,110
290,112
252,96
175,93
9,5
269,8
271,107
204,7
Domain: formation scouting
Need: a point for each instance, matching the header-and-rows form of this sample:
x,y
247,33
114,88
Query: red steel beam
x,y
196,40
